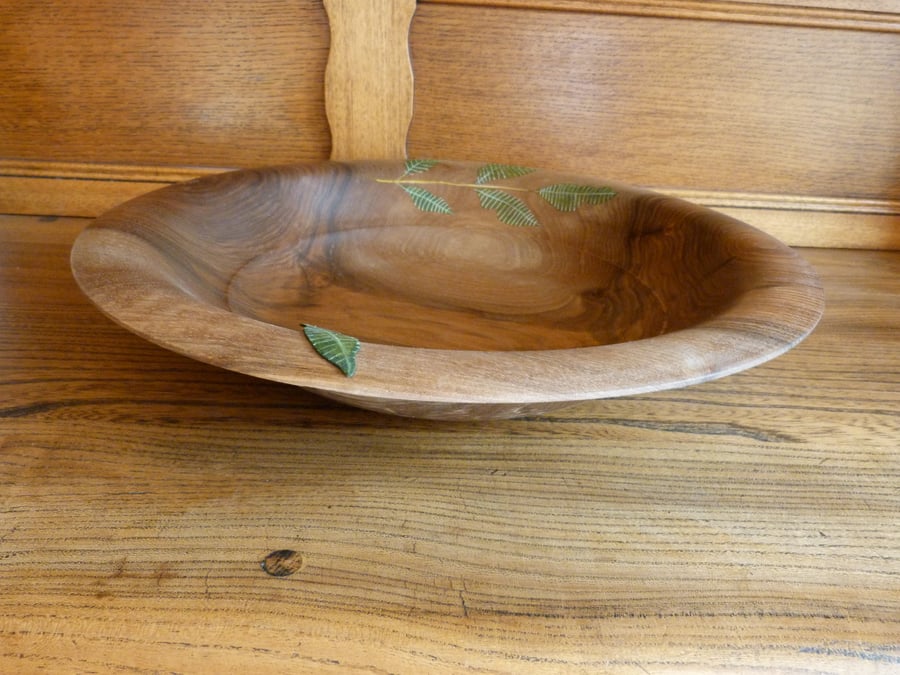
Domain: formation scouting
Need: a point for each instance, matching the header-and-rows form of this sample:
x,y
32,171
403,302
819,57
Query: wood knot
x,y
282,563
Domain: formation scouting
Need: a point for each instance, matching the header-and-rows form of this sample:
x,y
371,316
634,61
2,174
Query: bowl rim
x,y
116,270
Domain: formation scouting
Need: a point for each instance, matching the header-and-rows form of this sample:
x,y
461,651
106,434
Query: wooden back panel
x,y
785,115
162,83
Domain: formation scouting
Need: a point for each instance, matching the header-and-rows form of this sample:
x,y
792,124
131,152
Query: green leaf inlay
x,y
334,347
568,196
426,200
414,166
491,172
510,210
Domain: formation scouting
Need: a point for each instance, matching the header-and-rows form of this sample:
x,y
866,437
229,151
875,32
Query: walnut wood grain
x,y
460,315
745,525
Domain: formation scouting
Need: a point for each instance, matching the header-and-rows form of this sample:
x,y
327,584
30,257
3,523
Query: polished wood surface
x,y
782,113
91,190
732,107
369,79
516,296
873,15
219,83
158,514
755,107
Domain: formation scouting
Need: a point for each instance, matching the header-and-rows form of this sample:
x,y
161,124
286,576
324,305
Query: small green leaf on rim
x,y
414,166
336,348
510,210
491,172
568,197
426,200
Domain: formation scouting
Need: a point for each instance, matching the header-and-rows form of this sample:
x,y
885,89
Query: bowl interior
x,y
475,290
339,249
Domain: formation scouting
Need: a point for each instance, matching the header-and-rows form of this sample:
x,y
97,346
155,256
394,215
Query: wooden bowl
x,y
475,291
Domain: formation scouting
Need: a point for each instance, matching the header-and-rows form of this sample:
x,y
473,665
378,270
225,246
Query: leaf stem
x,y
413,181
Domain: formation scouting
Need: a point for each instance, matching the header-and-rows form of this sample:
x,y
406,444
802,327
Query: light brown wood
x,y
220,83
469,314
872,15
780,112
369,80
771,104
90,189
81,189
745,525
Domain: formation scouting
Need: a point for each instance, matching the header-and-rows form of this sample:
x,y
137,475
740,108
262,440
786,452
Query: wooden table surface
x,y
161,515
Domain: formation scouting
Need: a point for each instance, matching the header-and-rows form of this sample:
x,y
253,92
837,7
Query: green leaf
x,y
568,197
510,210
334,347
414,166
491,172
427,201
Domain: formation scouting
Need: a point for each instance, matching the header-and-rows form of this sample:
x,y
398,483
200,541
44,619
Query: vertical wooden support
x,y
369,80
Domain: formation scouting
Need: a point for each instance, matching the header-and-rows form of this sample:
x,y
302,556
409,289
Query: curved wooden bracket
x,y
369,79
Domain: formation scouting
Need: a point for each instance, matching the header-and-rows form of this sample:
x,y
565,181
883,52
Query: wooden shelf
x,y
781,113
743,525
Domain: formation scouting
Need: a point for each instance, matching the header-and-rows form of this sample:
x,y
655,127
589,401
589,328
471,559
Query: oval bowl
x,y
475,291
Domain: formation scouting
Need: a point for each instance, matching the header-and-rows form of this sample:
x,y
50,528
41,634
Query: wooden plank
x,y
823,229
774,113
809,221
71,197
746,525
89,190
369,81
220,83
740,108
81,189
867,15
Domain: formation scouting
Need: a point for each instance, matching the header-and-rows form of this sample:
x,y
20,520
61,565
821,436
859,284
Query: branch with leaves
x,y
340,349
509,208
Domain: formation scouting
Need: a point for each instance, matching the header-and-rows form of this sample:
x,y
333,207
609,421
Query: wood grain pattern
x,y
462,314
767,103
38,188
676,104
866,15
220,83
79,188
746,525
369,79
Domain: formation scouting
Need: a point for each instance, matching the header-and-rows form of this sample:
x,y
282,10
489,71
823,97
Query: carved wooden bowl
x,y
474,291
